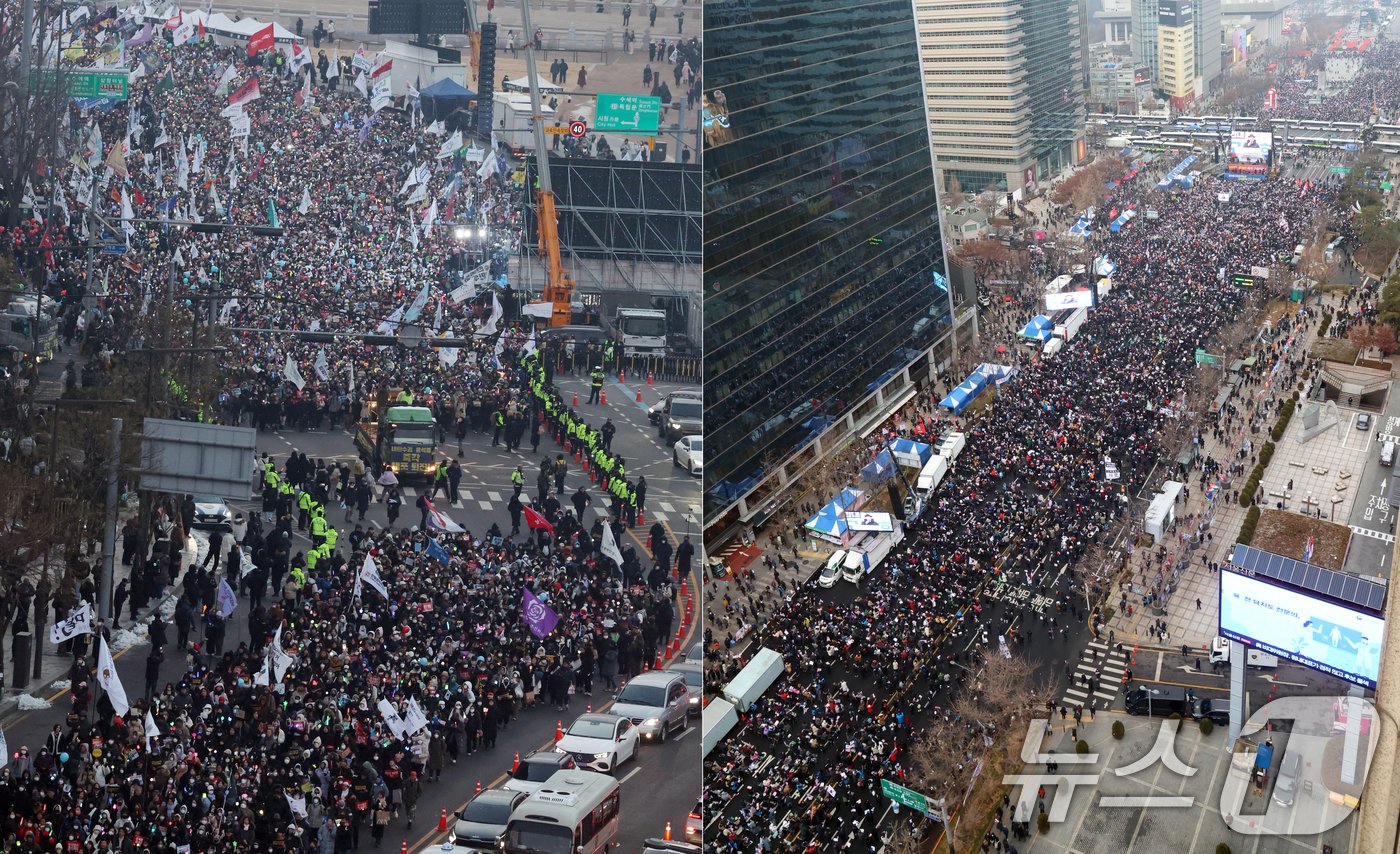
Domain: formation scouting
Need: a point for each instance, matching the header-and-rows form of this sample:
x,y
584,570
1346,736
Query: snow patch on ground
x,y
127,638
29,704
61,685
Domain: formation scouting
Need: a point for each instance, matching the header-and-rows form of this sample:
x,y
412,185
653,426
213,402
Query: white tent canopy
x,y
218,23
522,84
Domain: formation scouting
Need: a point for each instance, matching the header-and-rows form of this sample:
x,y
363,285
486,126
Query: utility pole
x,y
26,48
109,531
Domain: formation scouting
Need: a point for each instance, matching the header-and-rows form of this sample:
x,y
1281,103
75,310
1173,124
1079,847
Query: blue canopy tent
x,y
996,373
907,452
1040,329
960,397
830,522
1123,219
879,469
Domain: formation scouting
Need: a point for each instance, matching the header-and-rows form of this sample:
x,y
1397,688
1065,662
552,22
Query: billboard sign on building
x,y
1337,639
1173,13
882,522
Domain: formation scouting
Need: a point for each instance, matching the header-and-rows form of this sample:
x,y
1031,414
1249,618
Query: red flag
x,y
249,91
536,521
175,22
261,40
382,69
201,32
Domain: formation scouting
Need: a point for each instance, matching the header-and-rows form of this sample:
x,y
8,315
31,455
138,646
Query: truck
x,y
864,557
27,328
756,678
642,331
510,116
1070,327
932,474
1220,654
403,441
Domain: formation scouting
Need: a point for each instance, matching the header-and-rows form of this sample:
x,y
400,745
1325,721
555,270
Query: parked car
x,y
689,454
696,654
600,742
482,825
1363,421
831,573
536,768
693,825
212,514
1286,787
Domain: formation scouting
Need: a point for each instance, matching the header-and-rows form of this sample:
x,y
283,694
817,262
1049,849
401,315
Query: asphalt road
x,y
1373,514
664,784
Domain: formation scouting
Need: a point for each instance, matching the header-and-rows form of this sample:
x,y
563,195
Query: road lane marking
x,y
630,774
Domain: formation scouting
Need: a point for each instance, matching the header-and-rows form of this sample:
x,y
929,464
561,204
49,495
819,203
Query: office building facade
x,y
1144,35
1205,15
1176,52
826,287
1005,81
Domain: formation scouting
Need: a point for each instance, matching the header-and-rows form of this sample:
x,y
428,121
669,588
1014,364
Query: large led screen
x,y
1294,625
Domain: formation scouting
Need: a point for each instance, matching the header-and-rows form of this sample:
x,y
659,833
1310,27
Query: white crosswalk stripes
x,y
1104,662
1376,535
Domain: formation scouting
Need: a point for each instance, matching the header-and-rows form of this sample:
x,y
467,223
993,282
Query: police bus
x,y
574,812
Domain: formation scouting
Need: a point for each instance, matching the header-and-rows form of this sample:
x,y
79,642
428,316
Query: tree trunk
x,y
41,611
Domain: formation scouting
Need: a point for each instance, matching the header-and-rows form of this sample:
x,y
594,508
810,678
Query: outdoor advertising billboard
x,y
870,522
1320,634
1069,299
1249,150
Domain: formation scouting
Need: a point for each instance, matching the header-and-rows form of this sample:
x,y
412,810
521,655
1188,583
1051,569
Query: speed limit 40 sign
x,y
578,127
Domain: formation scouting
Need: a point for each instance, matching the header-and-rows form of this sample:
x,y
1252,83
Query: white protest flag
x,y
420,302
162,138
413,718
391,323
228,600
418,195
4,746
447,355
610,549
451,146
152,730
494,320
297,804
430,216
322,367
108,679
79,622
292,373
369,573
409,182
225,79
473,281
281,660
334,70
391,717
423,173
530,346
488,167
305,206
128,215
437,128
497,353
361,85
437,317
413,235
182,166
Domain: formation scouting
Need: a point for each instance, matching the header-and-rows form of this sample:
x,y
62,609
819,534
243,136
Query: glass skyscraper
x,y
824,269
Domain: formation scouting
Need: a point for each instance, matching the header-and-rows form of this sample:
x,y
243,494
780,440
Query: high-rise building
x,y
1005,82
1144,35
1176,51
1206,17
827,296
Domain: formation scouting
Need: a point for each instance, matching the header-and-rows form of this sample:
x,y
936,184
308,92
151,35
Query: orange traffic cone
x,y
658,662
559,731
641,516
575,398
603,398
667,836
639,394
442,821
589,710
578,455
651,380
516,766
622,375
478,789
403,848
683,588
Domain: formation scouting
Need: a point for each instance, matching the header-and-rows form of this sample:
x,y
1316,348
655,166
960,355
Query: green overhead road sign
x,y
1204,358
639,114
87,83
904,797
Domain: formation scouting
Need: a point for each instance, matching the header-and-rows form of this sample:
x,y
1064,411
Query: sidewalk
x,y
51,681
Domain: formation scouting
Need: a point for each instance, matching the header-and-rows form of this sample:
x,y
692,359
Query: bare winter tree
x,y
33,104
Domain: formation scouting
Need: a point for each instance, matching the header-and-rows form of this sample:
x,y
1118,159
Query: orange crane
x,y
559,288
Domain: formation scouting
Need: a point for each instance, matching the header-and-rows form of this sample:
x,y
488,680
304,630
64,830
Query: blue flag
x,y
437,552
272,214
538,616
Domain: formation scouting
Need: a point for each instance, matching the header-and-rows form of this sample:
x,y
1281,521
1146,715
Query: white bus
x,y
574,812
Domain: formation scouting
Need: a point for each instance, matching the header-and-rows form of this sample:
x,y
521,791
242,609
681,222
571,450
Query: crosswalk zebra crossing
x,y
1108,664
492,500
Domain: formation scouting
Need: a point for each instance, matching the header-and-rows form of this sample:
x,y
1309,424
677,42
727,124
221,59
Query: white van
x,y
1388,454
832,571
574,811
1052,347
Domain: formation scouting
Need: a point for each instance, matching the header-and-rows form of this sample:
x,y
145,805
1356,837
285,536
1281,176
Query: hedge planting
x,y
1251,521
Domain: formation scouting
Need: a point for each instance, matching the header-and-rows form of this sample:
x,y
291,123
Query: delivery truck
x,y
716,721
1070,327
951,446
865,556
932,474
756,677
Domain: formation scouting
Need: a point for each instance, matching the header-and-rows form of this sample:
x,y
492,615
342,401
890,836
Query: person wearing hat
x,y
595,380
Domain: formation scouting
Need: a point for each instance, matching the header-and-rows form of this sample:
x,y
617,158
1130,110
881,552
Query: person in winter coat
x,y
379,820
437,755
325,837
412,790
